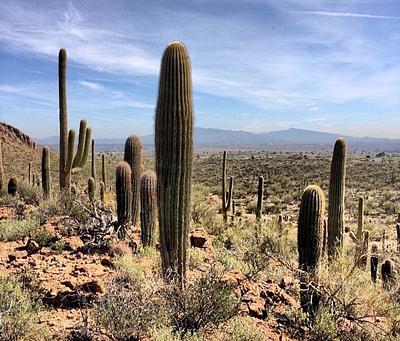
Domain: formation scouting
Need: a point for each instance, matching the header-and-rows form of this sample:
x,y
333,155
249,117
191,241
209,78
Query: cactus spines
x,y
103,170
174,153
387,273
91,188
12,185
336,198
133,156
148,207
69,164
93,160
2,181
226,195
260,194
123,188
310,235
102,190
360,225
46,176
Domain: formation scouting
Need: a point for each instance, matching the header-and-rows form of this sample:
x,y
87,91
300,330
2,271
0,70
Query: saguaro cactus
x,y
388,275
12,185
260,194
148,207
174,153
93,160
2,180
67,162
91,188
226,195
102,190
310,240
123,187
374,262
336,198
103,170
360,226
46,176
30,180
133,156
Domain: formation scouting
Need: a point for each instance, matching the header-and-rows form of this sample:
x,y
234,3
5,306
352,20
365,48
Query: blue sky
x,y
258,65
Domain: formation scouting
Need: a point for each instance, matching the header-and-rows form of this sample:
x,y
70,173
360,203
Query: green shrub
x,y
18,313
11,230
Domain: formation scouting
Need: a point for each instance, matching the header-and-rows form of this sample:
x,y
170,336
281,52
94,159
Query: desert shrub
x,y
18,313
239,329
325,327
30,194
196,258
63,204
201,210
129,309
202,304
11,230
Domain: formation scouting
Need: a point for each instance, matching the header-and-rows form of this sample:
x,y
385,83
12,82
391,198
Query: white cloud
x,y
348,15
92,85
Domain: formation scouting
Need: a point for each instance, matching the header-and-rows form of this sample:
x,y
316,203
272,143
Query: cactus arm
x,y
81,143
86,150
70,155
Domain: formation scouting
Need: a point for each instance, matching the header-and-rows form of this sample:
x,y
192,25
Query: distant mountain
x,y
290,138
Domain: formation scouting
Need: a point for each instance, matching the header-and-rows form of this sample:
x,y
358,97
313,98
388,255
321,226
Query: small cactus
x,y
310,235
133,156
30,180
388,274
91,188
174,153
13,185
336,198
123,188
93,160
148,207
260,194
46,176
103,170
360,225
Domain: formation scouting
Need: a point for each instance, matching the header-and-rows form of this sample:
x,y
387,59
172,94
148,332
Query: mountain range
x,y
292,138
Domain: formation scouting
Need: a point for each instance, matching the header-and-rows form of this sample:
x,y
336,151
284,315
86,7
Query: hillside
x,y
18,150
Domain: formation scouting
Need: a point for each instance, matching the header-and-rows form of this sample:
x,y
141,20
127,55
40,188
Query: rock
x,y
68,284
73,243
257,309
32,247
198,238
92,287
11,258
120,248
107,263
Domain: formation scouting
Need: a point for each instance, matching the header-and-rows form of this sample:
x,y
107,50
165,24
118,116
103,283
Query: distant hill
x,y
290,138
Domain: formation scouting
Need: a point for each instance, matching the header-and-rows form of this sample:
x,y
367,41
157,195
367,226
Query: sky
x,y
257,65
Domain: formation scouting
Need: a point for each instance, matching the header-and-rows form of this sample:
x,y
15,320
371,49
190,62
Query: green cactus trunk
x,y
360,225
103,170
102,191
148,207
133,156
174,153
93,160
46,176
92,188
310,242
123,188
69,164
227,196
2,178
336,199
260,194
30,180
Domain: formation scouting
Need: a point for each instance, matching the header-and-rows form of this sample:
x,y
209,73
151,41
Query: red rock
x,y
199,238
120,248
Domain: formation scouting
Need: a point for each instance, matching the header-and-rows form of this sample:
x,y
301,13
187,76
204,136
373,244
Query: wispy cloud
x,y
348,15
92,85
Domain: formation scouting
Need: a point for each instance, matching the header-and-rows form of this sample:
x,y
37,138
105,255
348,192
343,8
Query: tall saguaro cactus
x,y
93,160
226,195
360,222
46,176
148,207
133,156
174,153
103,170
336,198
310,242
67,162
2,178
260,194
123,188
